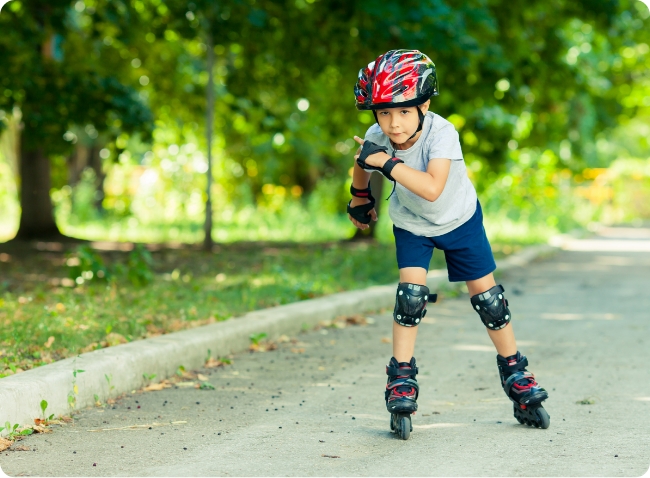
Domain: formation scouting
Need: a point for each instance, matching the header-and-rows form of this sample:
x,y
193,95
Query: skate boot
x,y
401,395
525,393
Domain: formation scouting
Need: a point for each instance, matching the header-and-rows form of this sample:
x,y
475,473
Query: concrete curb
x,y
124,365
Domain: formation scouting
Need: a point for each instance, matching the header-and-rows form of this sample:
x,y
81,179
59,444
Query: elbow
x,y
432,194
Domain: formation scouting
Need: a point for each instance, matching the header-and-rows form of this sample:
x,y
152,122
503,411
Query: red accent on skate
x,y
524,387
404,394
523,407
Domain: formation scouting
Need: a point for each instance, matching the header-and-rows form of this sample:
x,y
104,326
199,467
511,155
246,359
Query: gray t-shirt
x,y
457,203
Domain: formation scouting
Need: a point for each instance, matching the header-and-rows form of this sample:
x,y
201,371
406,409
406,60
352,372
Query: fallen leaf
x,y
301,350
386,340
21,448
202,377
155,387
39,421
49,342
356,320
41,429
4,444
213,362
331,456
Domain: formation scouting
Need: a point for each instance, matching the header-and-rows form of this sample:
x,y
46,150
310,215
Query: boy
x,y
433,204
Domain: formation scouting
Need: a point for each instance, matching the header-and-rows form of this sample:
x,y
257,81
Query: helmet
x,y
396,78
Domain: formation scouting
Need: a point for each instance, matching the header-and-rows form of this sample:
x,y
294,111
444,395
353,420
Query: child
x,y
433,204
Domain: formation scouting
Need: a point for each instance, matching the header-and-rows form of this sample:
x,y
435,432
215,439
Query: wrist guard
x,y
370,148
361,213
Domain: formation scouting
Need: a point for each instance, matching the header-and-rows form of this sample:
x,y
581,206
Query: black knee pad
x,y
492,307
411,303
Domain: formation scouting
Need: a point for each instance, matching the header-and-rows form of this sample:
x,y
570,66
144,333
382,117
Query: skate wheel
x,y
544,419
393,426
405,427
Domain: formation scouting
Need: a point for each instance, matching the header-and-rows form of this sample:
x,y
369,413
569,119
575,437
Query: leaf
x,y
155,387
43,405
206,386
201,377
4,444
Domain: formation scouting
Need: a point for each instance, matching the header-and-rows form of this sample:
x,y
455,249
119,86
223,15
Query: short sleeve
x,y
445,143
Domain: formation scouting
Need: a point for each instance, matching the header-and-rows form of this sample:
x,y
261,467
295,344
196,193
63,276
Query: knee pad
x,y
492,307
411,302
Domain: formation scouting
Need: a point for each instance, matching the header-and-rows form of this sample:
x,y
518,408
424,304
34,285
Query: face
x,y
400,123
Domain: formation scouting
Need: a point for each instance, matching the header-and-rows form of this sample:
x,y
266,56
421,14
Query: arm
x,y
428,184
360,180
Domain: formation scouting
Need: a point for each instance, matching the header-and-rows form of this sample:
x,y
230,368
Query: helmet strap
x,y
420,122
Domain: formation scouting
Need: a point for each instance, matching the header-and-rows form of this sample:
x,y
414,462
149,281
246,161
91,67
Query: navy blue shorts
x,y
467,250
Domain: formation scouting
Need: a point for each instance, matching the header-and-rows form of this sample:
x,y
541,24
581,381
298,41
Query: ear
x,y
424,107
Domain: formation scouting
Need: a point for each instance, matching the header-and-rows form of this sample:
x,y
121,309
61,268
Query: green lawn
x,y
46,316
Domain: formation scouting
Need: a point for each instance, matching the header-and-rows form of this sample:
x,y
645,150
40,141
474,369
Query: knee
x,y
492,307
411,303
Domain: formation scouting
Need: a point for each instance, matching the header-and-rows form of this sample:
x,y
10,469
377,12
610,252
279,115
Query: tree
x,y
55,87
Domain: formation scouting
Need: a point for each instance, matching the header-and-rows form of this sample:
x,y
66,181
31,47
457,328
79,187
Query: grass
x,y
46,315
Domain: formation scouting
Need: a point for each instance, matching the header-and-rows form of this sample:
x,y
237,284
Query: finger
x,y
354,221
358,140
373,215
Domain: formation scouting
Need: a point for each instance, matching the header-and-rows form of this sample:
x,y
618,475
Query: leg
x,y
503,339
401,393
410,306
517,382
404,337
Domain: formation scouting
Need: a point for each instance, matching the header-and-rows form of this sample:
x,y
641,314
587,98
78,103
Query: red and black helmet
x,y
396,78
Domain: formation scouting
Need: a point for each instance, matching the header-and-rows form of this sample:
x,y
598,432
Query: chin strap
x,y
420,122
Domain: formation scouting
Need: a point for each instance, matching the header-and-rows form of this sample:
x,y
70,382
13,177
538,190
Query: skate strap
x,y
402,382
411,372
516,377
516,367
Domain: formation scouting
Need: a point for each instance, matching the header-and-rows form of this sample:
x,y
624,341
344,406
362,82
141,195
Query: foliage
x,y
86,264
13,432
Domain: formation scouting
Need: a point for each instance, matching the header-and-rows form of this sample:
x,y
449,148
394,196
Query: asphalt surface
x,y
314,407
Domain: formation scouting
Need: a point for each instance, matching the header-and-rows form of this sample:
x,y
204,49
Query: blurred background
x,y
103,108
118,116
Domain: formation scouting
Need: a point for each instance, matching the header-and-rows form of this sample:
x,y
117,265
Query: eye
x,y
404,112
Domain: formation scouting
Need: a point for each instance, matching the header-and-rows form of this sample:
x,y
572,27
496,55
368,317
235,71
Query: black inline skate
x,y
401,395
525,393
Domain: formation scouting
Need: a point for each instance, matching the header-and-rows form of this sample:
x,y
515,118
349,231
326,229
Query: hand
x,y
377,160
358,202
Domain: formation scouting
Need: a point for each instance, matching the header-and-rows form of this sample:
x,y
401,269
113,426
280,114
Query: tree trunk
x,y
37,216
95,162
377,188
209,117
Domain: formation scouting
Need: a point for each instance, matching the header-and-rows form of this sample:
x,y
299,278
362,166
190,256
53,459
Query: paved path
x,y
582,317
